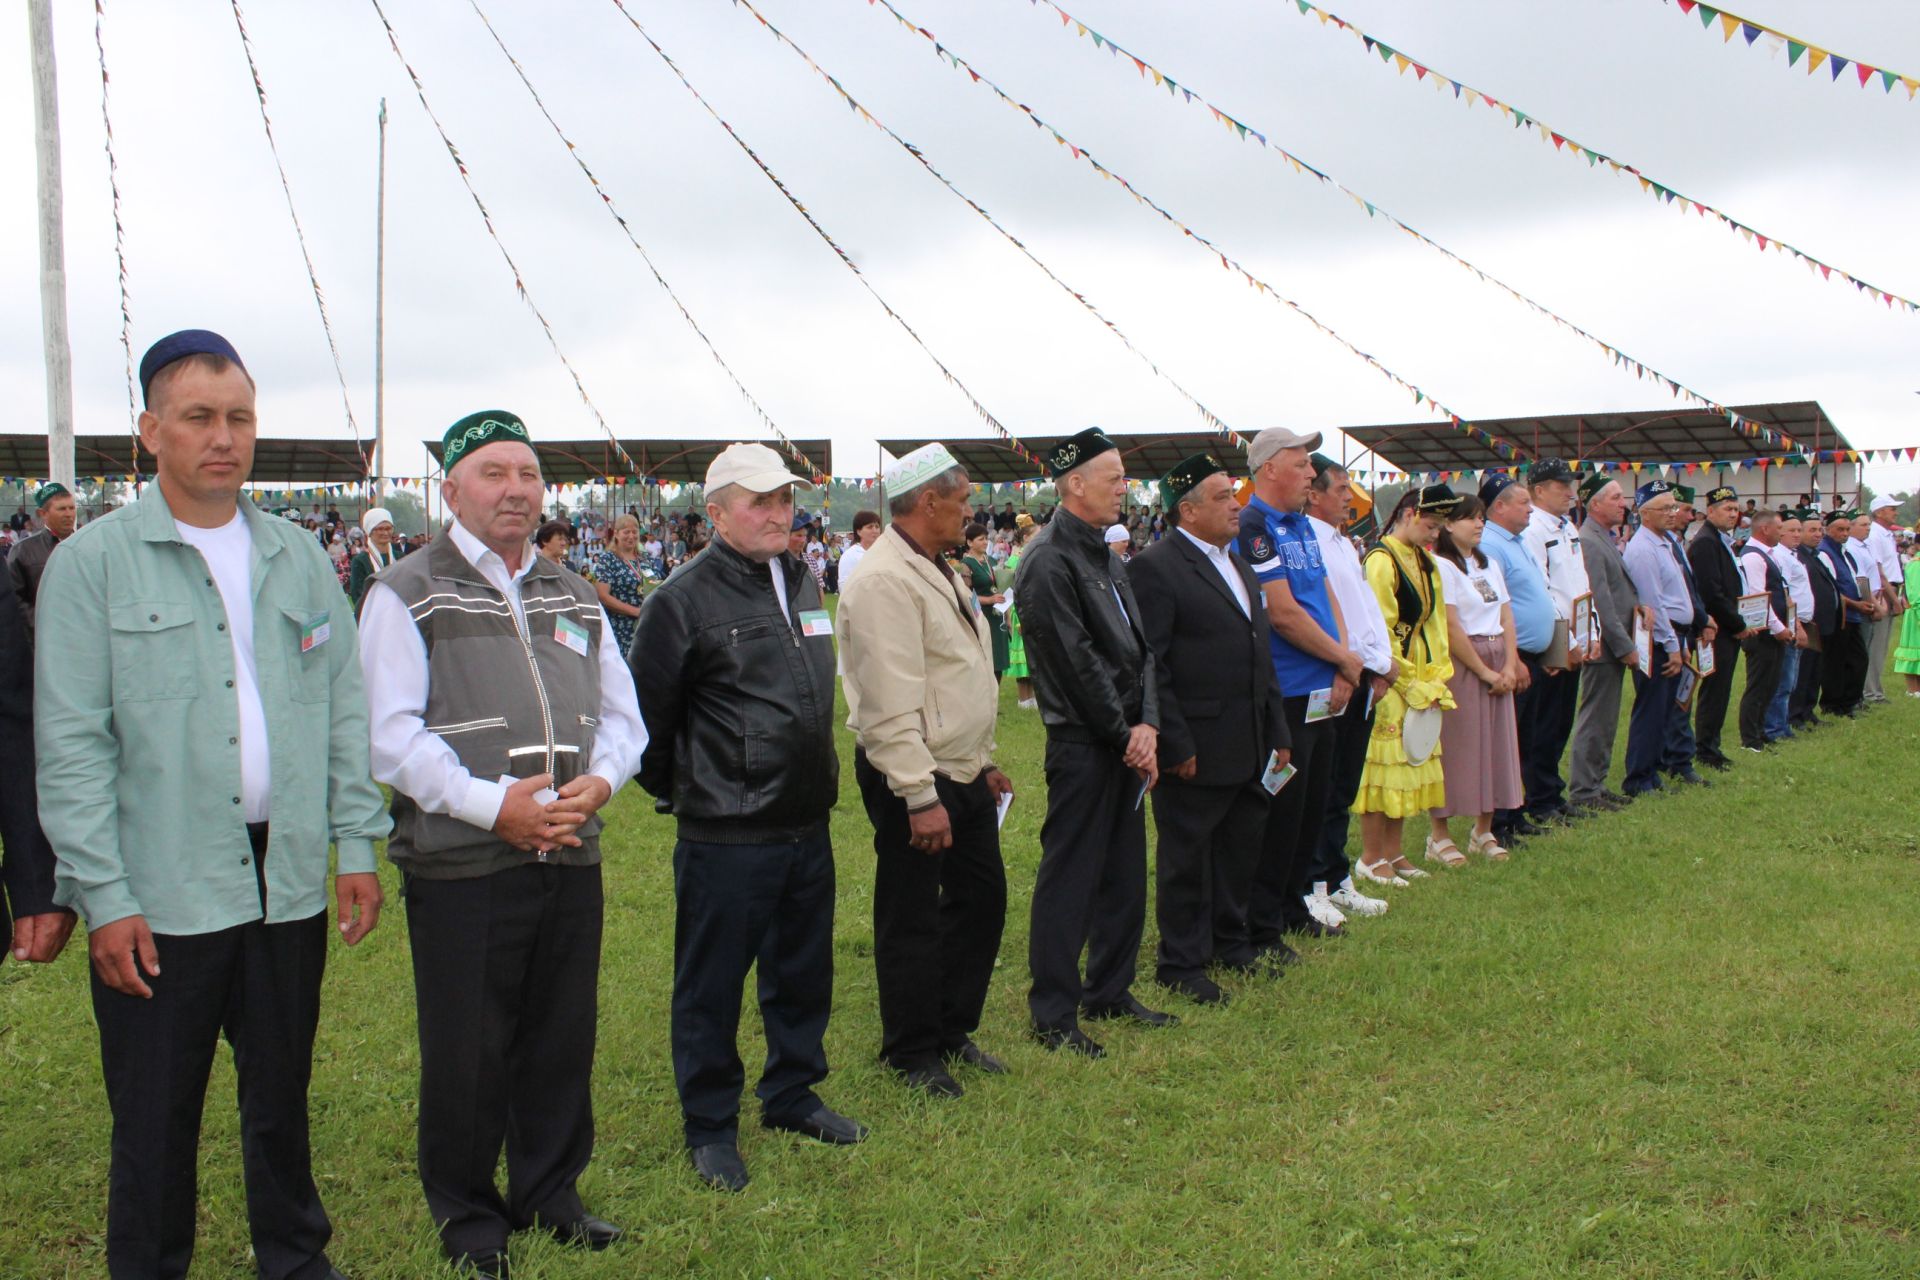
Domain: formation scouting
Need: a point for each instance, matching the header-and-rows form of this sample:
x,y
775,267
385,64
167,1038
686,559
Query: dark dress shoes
x,y
1524,827
1315,929
335,1273
489,1265
1691,778
1719,764
979,1059
822,1125
932,1081
584,1232
1131,1010
1054,1039
719,1165
1199,989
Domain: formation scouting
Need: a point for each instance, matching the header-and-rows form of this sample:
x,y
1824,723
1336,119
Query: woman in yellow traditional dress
x,y
1406,581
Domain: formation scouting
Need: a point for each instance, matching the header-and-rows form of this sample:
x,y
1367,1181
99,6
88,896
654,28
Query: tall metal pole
x,y
380,322
53,251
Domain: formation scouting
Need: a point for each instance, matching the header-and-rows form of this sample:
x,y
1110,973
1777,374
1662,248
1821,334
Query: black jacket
x,y
1826,596
26,865
1718,579
1219,703
738,702
1092,669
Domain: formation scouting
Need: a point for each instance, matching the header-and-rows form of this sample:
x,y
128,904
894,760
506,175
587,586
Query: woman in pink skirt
x,y
1477,738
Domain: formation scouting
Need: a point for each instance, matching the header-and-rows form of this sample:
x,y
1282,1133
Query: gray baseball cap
x,y
1273,440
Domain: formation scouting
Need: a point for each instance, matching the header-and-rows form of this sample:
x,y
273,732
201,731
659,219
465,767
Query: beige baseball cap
x,y
753,467
1273,440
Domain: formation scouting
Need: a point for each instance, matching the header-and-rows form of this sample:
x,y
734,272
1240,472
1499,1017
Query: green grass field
x,y
1676,1042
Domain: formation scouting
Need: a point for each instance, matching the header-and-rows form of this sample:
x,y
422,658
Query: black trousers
x,y
739,906
1209,846
1351,732
1765,657
506,972
1290,846
1710,702
259,985
1843,671
1647,725
1555,698
937,918
1525,711
1091,890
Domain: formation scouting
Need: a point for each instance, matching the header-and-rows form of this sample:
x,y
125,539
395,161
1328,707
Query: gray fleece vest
x,y
509,704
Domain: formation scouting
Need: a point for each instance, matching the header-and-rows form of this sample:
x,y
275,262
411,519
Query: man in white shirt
x,y
1786,554
1329,506
1885,553
504,718
1554,542
1765,648
1874,632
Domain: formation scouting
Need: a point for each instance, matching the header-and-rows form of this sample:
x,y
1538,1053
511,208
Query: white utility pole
x,y
53,252
380,322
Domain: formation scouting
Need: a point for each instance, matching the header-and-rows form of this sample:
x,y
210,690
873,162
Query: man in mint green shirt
x,y
202,738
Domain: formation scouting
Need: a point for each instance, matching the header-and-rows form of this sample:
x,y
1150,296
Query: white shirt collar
x,y
484,558
1212,552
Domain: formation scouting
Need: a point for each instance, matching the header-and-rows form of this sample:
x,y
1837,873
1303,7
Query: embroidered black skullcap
x,y
1722,493
1078,450
1180,481
178,346
1495,485
1436,499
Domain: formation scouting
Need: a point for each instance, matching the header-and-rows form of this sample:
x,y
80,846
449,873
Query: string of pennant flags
x,y
994,424
1566,144
299,233
1618,358
119,236
606,198
1212,420
1732,24
519,284
1420,396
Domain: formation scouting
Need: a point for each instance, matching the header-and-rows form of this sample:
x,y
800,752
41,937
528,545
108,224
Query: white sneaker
x,y
1357,902
1029,704
1321,907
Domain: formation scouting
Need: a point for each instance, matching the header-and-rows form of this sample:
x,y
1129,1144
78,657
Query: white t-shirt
x,y
1476,593
850,560
228,551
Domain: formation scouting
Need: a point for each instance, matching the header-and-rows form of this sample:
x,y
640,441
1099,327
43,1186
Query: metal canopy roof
x,y
1649,437
676,461
276,461
1147,457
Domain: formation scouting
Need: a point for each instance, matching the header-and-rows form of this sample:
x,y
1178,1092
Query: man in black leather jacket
x,y
1094,674
733,659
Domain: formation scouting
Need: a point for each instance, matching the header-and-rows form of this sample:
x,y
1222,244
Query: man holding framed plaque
x,y
1607,614
1554,543
1716,573
1657,639
1763,610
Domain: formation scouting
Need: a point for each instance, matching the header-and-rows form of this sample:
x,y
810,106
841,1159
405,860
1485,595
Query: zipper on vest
x,y
539,689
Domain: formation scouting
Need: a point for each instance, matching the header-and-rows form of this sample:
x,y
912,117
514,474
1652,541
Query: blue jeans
x,y
1775,725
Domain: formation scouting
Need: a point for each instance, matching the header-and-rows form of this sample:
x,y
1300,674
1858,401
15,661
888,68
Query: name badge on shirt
x,y
316,631
815,622
571,633
1277,775
1319,705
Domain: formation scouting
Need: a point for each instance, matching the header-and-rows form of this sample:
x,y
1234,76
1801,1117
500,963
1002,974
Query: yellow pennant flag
x,y
1730,25
1814,58
1400,61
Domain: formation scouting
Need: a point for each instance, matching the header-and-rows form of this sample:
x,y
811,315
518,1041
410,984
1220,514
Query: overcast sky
x,y
1828,167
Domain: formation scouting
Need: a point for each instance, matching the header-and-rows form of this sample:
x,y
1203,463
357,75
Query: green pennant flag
x,y
1794,51
1707,16
1386,54
1242,128
1889,79
1304,6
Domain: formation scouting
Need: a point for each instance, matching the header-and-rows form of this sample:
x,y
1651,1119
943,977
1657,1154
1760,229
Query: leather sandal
x,y
1487,847
1381,872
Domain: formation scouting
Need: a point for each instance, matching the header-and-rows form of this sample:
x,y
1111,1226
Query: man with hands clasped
x,y
922,702
504,718
1098,691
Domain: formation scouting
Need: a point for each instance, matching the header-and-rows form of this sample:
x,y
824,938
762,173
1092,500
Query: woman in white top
x,y
1478,738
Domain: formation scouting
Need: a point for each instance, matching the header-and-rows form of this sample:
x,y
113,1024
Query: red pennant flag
x,y
1866,73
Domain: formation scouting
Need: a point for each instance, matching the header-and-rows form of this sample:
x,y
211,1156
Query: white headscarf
x,y
373,519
